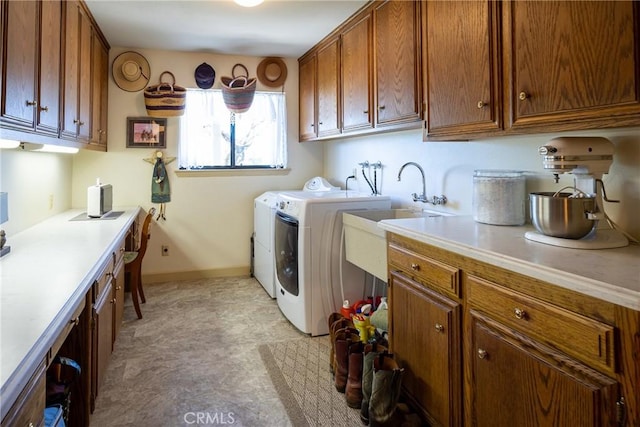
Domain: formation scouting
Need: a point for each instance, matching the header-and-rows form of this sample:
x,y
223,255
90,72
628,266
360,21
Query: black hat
x,y
205,76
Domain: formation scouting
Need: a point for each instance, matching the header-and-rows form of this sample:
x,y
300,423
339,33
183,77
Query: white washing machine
x,y
309,255
264,212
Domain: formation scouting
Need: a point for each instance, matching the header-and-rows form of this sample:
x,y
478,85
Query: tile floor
x,y
193,358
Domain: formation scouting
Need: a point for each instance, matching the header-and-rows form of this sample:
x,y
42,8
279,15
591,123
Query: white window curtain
x,y
260,133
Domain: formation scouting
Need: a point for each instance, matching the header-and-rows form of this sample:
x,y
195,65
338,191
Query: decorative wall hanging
x,y
160,189
146,132
131,71
166,99
205,75
272,72
238,91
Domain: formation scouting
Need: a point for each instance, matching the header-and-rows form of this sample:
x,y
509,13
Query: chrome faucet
x,y
422,197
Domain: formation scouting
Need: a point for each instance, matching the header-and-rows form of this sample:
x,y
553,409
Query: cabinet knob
x,y
113,301
381,107
482,354
45,109
481,104
312,125
320,123
439,327
75,321
519,313
523,95
76,121
415,266
118,288
81,123
365,112
31,103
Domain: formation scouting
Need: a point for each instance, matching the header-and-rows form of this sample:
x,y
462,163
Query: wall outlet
x,y
165,250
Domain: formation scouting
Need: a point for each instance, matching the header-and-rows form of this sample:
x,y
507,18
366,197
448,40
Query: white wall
x,y
39,186
449,168
210,218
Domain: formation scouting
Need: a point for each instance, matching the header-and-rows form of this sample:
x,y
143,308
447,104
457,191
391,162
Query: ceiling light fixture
x,y
248,3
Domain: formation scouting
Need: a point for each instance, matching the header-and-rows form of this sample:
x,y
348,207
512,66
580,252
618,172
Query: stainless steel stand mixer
x,y
575,219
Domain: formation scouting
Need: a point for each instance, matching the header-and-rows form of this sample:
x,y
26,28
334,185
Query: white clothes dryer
x,y
264,213
312,274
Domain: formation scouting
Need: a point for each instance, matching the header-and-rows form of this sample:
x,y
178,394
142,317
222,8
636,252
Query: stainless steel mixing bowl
x,y
561,216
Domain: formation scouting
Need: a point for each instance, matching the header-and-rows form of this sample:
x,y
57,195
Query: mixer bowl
x,y
561,216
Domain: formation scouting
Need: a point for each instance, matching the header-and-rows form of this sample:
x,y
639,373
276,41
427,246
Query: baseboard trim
x,y
195,275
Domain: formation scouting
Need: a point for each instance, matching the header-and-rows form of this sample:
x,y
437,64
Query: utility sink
x,y
365,243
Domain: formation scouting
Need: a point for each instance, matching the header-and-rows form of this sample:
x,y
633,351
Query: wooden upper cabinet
x,y
99,80
397,59
48,111
357,67
461,68
328,89
573,63
77,73
19,48
307,94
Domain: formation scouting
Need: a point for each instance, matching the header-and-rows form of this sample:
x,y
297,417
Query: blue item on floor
x,y
53,416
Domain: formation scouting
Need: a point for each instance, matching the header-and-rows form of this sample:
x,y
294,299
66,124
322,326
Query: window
x,y
211,137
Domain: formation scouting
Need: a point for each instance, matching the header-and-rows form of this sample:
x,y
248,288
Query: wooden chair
x,y
133,264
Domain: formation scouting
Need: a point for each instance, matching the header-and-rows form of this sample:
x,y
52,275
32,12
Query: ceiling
x,y
283,28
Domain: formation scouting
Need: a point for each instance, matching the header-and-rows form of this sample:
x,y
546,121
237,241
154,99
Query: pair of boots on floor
x,y
366,373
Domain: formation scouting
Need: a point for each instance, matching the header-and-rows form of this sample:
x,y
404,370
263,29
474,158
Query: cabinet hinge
x,y
621,412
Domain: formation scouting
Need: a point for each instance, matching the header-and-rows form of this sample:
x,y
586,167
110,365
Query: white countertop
x,y
611,275
43,279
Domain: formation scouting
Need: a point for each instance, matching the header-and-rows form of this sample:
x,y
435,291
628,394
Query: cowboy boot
x,y
344,340
353,391
342,325
371,351
385,392
333,317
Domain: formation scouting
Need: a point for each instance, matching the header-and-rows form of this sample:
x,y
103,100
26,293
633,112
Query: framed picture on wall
x,y
146,132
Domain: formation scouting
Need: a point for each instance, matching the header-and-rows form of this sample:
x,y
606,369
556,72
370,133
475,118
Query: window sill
x,y
231,172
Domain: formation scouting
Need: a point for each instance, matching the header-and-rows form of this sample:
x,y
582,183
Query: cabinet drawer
x,y
73,320
585,339
28,409
103,279
119,253
428,271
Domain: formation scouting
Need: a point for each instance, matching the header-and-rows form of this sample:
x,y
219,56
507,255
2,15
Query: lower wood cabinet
x,y
28,410
425,337
485,346
515,380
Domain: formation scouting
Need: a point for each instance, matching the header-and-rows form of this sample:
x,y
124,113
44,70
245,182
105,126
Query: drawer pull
x,y
75,321
415,266
519,313
439,327
482,354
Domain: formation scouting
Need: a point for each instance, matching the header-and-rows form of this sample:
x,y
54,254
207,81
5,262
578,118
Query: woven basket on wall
x,y
165,99
238,91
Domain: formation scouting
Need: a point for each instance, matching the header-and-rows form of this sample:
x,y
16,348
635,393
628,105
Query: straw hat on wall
x,y
131,71
272,72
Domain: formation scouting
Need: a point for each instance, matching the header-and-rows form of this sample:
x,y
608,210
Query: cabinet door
x,y
533,385
48,110
425,337
102,336
461,68
77,73
118,290
398,78
328,89
572,62
307,83
99,79
356,57
19,47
